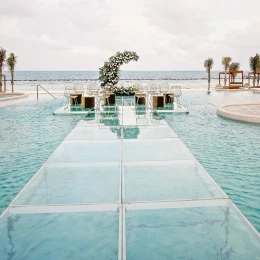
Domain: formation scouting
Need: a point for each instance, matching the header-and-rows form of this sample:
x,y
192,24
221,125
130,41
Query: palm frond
x,y
254,63
11,62
208,64
2,56
234,66
226,62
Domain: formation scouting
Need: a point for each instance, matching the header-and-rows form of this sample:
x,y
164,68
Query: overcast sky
x,y
166,34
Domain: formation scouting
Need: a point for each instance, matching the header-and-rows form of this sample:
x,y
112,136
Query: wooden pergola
x,y
251,74
232,84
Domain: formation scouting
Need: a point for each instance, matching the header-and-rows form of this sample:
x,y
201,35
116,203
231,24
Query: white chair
x,y
140,93
175,93
106,95
92,89
171,95
78,87
164,87
158,88
68,93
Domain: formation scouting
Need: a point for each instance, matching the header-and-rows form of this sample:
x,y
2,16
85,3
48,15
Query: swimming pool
x,y
6,96
229,150
30,133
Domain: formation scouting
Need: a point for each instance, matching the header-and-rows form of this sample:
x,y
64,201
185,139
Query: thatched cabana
x,y
231,76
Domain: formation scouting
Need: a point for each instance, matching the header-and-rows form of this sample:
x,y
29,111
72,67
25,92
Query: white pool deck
x,y
164,203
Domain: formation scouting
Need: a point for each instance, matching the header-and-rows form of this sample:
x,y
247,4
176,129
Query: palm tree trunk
x,y
12,75
208,80
225,78
0,78
258,79
254,80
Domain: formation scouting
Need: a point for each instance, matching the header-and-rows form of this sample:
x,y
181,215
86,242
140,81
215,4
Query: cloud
x,y
167,34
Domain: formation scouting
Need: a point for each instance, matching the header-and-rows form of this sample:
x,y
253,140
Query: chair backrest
x,y
149,87
176,90
140,88
158,88
78,87
69,90
93,88
153,87
165,87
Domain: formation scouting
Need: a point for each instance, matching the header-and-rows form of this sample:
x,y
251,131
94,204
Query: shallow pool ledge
x,y
7,96
241,112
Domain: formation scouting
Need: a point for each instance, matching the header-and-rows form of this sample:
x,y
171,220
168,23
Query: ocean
x,y
57,80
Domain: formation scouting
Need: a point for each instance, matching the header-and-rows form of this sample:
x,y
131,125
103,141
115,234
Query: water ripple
x,y
229,150
29,134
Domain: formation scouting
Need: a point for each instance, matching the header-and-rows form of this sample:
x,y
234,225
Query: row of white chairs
x,y
148,90
156,89
90,90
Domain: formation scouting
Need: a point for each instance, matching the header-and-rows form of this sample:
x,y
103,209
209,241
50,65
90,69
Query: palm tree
x,y
254,63
226,62
234,66
2,59
208,64
11,63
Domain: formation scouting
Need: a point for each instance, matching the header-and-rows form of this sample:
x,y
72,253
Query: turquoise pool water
x,y
81,241
29,133
7,96
229,150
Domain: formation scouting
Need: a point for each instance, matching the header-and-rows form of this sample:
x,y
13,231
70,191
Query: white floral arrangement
x,y
120,89
109,73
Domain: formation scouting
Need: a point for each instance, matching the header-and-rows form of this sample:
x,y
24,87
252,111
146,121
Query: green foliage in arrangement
x,y
109,73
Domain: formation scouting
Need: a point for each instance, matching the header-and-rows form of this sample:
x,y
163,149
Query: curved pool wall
x,y
242,112
5,96
30,133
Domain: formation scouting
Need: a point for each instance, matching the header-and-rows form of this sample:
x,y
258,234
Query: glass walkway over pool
x,y
122,185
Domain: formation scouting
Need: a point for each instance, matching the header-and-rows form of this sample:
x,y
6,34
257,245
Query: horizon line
x,y
121,70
